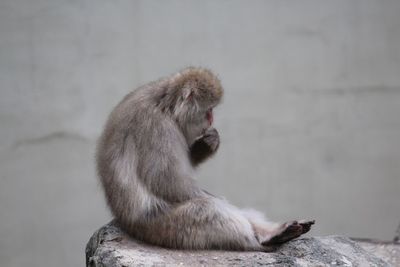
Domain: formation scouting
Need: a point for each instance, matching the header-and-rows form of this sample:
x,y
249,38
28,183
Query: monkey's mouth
x,y
209,116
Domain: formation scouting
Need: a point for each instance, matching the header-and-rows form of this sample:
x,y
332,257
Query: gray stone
x,y
109,246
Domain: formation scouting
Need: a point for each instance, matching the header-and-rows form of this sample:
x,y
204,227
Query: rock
x,y
111,247
389,251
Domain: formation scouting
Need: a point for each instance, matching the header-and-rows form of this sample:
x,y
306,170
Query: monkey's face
x,y
210,116
196,123
196,92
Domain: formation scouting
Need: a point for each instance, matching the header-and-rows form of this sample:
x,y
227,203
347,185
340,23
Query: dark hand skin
x,y
204,147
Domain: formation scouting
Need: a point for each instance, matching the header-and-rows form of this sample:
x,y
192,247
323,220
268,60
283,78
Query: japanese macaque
x,y
146,156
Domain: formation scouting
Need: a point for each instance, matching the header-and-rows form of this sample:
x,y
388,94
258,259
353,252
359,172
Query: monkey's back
x,y
138,157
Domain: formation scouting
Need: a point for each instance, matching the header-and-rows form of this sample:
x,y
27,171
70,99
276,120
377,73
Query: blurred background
x,y
310,123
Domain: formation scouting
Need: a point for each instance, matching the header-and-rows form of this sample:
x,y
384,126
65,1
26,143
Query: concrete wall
x,y
310,124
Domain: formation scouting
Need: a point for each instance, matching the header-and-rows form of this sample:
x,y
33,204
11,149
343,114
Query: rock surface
x,y
111,247
390,252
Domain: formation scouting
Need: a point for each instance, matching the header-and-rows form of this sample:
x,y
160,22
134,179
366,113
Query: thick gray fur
x,y
146,156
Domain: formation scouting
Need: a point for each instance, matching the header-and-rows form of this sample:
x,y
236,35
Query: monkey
x,y
146,158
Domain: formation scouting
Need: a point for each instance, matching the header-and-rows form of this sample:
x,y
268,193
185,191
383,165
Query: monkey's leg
x,y
205,146
204,223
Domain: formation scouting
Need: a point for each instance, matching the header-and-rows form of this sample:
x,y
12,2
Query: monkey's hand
x,y
204,146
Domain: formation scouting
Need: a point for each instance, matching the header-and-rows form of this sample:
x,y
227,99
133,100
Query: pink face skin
x,y
209,116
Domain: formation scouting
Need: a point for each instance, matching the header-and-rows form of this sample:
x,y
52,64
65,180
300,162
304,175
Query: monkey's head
x,y
196,92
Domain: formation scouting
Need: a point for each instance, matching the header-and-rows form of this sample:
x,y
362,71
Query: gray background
x,y
310,122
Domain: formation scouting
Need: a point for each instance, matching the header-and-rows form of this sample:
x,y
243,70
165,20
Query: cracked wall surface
x,y
310,123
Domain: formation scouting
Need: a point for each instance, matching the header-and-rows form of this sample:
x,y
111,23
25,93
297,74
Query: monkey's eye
x,y
209,116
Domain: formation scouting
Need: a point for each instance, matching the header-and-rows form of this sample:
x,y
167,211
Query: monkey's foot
x,y
289,231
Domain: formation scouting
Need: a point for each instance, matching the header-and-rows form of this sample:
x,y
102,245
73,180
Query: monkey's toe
x,y
306,225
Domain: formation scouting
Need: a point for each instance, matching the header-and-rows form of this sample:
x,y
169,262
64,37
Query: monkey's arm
x,y
204,147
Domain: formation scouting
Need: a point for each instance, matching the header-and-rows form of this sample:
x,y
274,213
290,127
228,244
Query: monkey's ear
x,y
188,94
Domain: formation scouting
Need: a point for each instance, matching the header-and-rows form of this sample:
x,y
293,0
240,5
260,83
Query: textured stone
x,y
109,246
